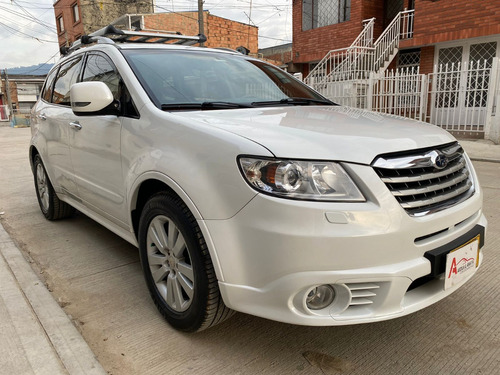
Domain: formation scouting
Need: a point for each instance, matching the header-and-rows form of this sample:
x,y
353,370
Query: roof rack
x,y
110,35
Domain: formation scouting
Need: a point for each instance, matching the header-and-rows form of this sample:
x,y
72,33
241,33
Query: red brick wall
x,y
446,20
427,59
72,30
312,45
374,8
220,32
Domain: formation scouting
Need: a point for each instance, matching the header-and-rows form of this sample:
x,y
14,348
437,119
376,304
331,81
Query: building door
x,y
391,9
461,85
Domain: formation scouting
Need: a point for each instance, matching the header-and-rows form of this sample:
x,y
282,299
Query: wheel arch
x,y
151,183
33,151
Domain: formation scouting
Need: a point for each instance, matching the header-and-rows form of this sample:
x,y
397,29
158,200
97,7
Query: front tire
x,y
177,266
50,205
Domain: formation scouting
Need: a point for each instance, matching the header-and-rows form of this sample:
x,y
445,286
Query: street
x,y
96,277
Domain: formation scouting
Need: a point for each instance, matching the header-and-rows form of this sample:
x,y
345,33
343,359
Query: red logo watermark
x,y
460,266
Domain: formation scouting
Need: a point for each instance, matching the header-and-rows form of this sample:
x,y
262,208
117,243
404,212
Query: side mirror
x,y
91,98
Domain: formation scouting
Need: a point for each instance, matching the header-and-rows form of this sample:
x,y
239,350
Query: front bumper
x,y
275,250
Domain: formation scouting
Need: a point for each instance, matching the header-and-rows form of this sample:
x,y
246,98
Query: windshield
x,y
176,80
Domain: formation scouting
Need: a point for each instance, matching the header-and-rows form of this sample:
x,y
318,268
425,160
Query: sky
x,y
28,31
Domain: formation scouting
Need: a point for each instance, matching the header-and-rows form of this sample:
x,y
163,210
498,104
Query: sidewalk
x,y
481,150
36,335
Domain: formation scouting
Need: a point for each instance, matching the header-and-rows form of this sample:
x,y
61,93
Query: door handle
x,y
75,125
42,116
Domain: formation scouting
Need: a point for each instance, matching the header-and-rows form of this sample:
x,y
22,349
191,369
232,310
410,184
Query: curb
x,y
58,344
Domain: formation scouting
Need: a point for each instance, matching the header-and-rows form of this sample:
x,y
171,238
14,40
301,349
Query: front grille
x,y
427,181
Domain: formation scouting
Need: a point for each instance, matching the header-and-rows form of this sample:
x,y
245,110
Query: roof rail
x,y
111,35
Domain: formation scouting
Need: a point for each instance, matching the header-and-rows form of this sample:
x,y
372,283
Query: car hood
x,y
324,132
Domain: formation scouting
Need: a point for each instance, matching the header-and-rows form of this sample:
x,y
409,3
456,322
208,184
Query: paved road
x,y
97,279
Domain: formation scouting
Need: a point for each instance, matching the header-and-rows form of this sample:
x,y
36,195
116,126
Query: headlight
x,y
310,180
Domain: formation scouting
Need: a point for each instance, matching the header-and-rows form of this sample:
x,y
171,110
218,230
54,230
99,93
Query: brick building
x,y
220,32
442,31
278,55
75,18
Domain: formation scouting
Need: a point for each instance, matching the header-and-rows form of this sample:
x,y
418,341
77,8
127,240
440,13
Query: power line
x,y
227,27
31,36
33,17
27,18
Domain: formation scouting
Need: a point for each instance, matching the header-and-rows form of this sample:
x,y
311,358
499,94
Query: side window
x,y
98,68
68,75
49,85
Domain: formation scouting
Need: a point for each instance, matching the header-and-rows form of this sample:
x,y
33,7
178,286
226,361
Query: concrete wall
x,y
94,15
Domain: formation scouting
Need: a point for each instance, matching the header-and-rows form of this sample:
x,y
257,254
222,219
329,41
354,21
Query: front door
x,y
391,10
95,145
461,86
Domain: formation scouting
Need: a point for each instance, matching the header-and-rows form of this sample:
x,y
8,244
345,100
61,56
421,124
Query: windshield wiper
x,y
203,106
295,101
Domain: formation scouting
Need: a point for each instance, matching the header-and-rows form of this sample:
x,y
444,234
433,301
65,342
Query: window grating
x,y
409,59
319,13
481,55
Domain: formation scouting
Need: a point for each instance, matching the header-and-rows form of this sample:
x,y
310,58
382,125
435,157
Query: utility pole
x,y
201,26
249,20
7,92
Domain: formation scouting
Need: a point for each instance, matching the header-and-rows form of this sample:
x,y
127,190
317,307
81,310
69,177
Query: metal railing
x,y
387,43
363,56
459,98
340,60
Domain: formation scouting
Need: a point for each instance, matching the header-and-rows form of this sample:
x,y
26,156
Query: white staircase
x,y
363,56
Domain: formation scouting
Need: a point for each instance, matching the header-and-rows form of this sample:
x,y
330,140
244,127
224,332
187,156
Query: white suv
x,y
246,190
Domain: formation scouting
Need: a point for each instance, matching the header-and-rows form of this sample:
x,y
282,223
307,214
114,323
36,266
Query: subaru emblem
x,y
441,161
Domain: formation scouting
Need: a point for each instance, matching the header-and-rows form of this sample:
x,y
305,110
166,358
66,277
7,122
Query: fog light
x,y
320,297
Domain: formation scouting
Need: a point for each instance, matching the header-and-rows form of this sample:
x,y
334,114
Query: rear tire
x,y
177,266
50,205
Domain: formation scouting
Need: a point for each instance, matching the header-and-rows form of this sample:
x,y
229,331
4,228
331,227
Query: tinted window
x,y
68,75
49,84
98,68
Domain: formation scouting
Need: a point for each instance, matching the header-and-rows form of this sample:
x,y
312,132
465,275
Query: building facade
x,y
22,91
75,18
432,60
442,31
220,32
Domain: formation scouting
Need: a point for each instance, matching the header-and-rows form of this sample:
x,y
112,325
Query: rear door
x,y
53,116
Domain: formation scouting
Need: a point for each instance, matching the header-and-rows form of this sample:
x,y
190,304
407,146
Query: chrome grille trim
x,y
440,199
427,176
428,180
431,188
